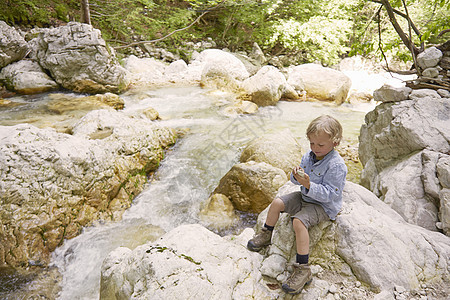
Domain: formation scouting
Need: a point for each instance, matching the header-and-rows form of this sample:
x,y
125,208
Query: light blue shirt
x,y
327,180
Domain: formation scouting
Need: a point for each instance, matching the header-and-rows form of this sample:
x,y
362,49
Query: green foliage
x,y
311,30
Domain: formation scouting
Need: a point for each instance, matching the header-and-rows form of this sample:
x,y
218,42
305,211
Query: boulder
x,y
26,77
79,60
281,150
266,87
251,186
401,144
188,262
219,70
145,70
218,212
352,245
54,184
429,58
13,46
320,82
192,262
389,93
240,107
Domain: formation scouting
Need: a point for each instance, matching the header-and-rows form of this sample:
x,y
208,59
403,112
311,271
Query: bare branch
x,y
405,39
443,32
172,33
416,30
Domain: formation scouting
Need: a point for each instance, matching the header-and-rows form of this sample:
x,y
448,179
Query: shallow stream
x,y
211,144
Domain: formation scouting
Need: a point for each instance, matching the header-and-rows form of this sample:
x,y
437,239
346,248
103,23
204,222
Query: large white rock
x,y
369,242
320,82
78,59
188,262
396,169
13,46
280,150
430,57
266,87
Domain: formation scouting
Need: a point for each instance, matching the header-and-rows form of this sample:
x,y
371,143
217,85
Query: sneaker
x,y
300,277
260,240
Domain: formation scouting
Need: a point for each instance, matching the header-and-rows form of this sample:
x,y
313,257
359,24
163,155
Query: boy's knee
x,y
277,202
298,224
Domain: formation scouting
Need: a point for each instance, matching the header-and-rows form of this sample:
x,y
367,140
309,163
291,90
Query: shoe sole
x,y
294,292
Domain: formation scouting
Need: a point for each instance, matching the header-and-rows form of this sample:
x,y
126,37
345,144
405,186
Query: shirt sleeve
x,y
331,188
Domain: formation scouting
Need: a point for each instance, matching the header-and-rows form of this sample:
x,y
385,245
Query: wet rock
x,y
240,107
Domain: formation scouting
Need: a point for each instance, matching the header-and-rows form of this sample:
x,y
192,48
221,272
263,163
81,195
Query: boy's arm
x,y
332,185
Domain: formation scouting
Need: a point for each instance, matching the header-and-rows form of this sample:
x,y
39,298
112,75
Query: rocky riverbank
x,y
56,181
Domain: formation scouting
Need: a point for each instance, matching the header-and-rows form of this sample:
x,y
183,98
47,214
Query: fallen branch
x,y
170,34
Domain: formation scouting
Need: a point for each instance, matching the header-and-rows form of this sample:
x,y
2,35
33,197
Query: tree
x,y
85,13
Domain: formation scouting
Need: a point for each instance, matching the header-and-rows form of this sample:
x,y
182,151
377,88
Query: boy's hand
x,y
301,176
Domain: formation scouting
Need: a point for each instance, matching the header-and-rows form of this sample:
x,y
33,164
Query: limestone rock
x,y
78,59
281,150
365,228
192,262
145,70
320,82
187,262
13,46
429,58
417,94
220,69
240,107
26,77
389,93
218,212
53,184
394,130
251,186
266,87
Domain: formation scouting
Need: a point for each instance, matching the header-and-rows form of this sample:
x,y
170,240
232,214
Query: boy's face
x,y
321,144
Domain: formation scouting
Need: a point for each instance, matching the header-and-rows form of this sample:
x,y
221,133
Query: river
x,y
210,145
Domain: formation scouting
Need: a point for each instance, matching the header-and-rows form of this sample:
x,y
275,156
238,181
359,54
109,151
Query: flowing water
x,y
211,144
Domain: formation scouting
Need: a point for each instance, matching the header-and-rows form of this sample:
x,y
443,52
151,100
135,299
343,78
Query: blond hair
x,y
327,124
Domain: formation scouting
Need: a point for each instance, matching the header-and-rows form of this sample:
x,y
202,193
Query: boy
x,y
321,175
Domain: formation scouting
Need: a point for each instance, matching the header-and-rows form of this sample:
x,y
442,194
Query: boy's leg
x,y
301,274
309,215
264,237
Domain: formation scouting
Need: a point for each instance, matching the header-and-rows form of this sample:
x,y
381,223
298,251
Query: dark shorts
x,y
309,213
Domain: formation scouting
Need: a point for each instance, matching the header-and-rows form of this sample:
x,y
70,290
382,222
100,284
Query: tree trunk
x,y
85,14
